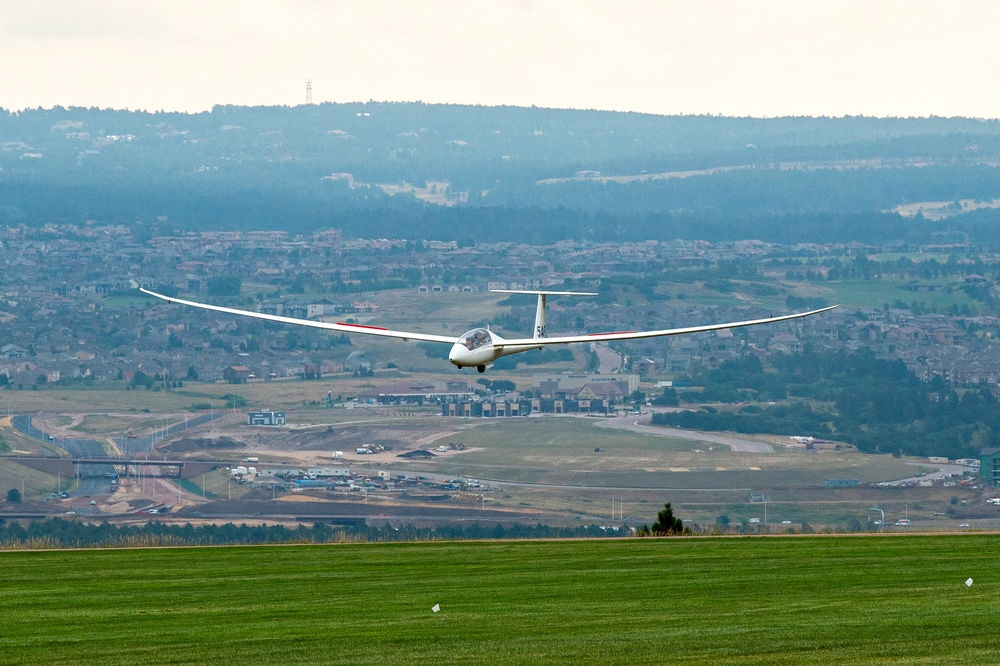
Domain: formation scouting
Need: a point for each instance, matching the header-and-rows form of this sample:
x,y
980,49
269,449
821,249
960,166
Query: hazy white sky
x,y
730,57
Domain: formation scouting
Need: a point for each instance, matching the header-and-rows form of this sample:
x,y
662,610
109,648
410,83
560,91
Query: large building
x,y
418,394
567,394
265,418
584,387
484,408
989,467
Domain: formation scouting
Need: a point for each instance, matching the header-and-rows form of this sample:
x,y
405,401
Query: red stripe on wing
x,y
377,328
611,333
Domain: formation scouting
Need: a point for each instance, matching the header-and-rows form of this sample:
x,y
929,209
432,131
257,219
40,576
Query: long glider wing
x,y
635,335
339,326
525,342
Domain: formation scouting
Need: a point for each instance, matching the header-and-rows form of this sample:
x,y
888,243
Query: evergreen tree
x,y
666,524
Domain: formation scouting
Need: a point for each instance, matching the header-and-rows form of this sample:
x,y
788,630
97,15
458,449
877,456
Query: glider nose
x,y
457,353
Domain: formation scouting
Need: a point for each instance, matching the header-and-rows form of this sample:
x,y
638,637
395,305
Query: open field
x,y
543,469
113,399
937,210
32,482
782,600
552,464
868,294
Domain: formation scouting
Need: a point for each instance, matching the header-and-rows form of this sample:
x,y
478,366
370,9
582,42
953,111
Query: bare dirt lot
x,y
554,469
315,444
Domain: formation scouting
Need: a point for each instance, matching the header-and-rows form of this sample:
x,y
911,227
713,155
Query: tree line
x,y
877,405
63,533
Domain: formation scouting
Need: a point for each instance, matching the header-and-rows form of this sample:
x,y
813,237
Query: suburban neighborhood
x,y
69,310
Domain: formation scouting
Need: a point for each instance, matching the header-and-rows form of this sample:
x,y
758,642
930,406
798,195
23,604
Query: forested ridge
x,y
875,404
497,173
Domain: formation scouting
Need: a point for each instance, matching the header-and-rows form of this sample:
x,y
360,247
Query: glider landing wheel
x,y
481,368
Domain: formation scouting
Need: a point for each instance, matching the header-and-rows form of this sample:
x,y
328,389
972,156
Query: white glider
x,y
479,347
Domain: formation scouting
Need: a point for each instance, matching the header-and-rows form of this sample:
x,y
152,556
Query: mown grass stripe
x,y
785,600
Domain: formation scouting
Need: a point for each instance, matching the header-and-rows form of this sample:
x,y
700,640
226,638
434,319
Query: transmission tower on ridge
x,y
309,91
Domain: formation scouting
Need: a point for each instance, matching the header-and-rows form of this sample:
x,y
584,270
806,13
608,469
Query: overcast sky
x,y
729,57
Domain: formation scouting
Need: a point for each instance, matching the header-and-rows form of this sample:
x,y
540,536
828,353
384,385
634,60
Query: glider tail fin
x,y
539,331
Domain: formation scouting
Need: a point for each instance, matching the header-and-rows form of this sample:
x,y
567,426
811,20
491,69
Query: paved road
x,y
611,361
944,471
636,423
145,444
95,478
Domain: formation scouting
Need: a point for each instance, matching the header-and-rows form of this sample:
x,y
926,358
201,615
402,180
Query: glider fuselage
x,y
480,347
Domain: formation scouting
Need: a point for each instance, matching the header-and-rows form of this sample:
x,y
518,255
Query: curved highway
x,y
610,361
95,478
130,446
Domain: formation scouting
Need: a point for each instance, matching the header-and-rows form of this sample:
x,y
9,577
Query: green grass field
x,y
786,600
868,294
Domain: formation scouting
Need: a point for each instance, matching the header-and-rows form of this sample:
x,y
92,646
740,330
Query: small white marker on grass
x,y
968,583
437,607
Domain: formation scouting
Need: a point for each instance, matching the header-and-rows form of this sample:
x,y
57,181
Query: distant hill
x,y
500,173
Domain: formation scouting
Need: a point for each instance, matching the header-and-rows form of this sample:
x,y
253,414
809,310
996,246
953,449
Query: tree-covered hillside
x,y
495,173
876,404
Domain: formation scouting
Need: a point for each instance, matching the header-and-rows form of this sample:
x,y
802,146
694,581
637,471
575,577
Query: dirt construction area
x,y
315,444
558,470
